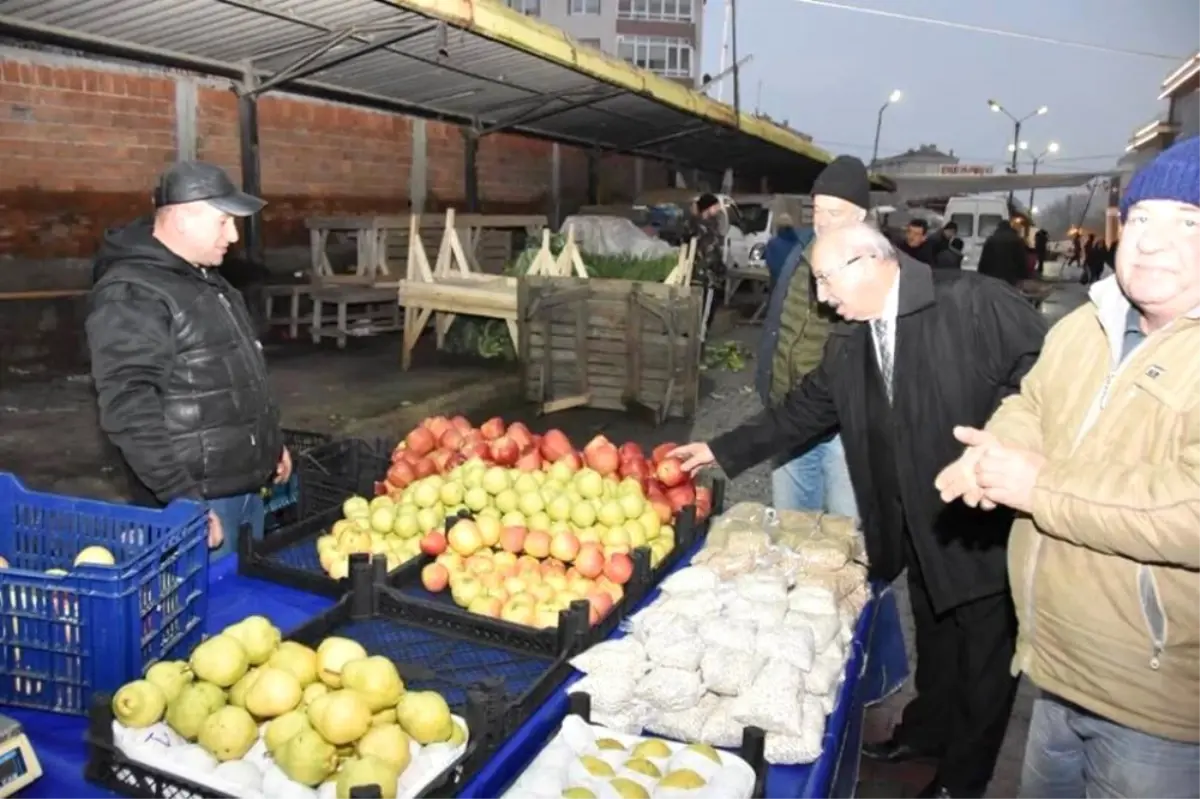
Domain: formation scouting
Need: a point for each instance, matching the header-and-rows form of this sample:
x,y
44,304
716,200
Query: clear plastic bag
x,y
793,645
619,656
807,598
773,700
653,623
826,672
804,747
763,586
762,615
726,633
669,689
720,728
631,719
729,672
825,626
682,725
610,692
692,606
689,580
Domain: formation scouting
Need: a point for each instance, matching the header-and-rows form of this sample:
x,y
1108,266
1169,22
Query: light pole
x,y
894,97
1016,145
1051,149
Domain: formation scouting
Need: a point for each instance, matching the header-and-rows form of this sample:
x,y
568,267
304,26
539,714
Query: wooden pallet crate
x,y
610,344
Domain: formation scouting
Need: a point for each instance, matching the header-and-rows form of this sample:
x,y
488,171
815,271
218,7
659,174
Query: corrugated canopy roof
x,y
470,62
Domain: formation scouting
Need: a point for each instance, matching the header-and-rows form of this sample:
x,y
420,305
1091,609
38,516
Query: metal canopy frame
x,y
422,58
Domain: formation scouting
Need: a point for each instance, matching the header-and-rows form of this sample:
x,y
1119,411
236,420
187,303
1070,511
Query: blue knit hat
x,y
1173,175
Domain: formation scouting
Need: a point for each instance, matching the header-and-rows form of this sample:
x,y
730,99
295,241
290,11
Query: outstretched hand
x,y
693,456
959,480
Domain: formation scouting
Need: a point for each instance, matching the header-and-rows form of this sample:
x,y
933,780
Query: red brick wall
x,y
82,142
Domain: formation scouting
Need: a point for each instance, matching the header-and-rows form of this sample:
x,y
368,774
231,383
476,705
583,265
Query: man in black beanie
x,y
793,338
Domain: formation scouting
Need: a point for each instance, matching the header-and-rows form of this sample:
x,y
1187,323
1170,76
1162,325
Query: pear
x,y
578,792
341,717
332,655
228,733
220,660
384,717
366,771
628,789
215,696
237,694
643,766
257,636
273,693
684,778
307,758
312,691
376,678
388,743
458,736
607,744
194,704
653,748
707,751
298,659
425,716
281,729
139,704
596,767
170,676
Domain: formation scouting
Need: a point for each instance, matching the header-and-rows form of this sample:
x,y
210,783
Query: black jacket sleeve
x,y
1012,332
806,413
129,336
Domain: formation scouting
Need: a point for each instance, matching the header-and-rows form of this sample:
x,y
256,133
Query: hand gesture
x,y
1007,476
216,533
958,480
693,456
283,471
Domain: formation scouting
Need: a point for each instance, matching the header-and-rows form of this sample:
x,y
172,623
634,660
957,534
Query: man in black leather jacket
x,y
179,372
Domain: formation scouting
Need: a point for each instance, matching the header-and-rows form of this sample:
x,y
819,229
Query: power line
x,y
1032,37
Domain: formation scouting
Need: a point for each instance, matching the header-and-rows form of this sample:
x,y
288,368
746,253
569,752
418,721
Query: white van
x,y
977,217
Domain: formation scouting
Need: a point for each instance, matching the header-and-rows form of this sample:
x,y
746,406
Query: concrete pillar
x,y
638,178
185,119
418,172
555,186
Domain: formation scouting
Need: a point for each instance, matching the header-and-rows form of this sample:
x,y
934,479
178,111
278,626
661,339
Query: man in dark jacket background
x,y
780,246
708,268
1004,255
916,243
180,377
920,352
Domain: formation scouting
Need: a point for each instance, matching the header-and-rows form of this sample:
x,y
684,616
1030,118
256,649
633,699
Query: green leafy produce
x,y
728,355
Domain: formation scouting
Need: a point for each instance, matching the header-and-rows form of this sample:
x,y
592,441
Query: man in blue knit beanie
x,y
1100,453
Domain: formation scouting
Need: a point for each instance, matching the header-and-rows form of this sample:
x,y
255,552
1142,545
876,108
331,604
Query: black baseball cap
x,y
198,181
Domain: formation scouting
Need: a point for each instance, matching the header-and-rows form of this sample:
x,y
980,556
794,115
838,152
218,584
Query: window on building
x,y
590,43
531,8
665,55
656,10
575,7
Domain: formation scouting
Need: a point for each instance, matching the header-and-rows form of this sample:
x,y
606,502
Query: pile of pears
x,y
330,711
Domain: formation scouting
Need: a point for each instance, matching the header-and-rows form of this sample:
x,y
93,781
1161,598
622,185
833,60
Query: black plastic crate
x,y
334,471
289,556
283,502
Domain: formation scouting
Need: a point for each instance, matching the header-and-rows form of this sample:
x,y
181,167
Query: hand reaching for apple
x,y
693,457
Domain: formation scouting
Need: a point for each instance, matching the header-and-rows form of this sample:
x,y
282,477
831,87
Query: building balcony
x,y
1184,80
1156,135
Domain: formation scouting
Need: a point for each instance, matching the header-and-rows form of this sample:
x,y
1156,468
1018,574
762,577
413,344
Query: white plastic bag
x,y
630,719
763,587
653,623
793,645
620,656
676,650
720,728
825,626
669,689
743,611
689,580
682,725
773,701
804,747
826,671
692,606
727,671
721,632
610,691
807,598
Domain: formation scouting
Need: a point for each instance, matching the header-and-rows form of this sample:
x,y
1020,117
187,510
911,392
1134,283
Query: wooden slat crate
x,y
611,344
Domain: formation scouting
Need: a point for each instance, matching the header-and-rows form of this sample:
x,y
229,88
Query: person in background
x,y
180,377
951,256
1094,256
708,268
1004,255
1076,258
920,351
940,240
1100,456
780,246
1041,245
812,477
916,245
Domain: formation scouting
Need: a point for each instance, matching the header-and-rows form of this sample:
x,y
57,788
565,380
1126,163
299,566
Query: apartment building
x,y
1179,119
663,36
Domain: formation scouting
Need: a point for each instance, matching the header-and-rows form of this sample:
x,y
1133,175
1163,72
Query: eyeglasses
x,y
824,278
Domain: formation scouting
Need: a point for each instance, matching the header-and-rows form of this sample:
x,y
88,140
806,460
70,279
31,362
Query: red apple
x,y
597,441
631,450
573,461
537,544
438,425
476,449
424,468
670,472
637,469
433,543
441,460
505,451
660,452
662,507
619,568
409,457
381,488
401,474
512,539
603,457
420,441
590,560
531,461
555,445
703,502
434,577
519,433
681,496
462,423
493,428
451,439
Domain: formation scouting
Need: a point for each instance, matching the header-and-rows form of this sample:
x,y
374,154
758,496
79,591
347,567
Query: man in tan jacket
x,y
1100,454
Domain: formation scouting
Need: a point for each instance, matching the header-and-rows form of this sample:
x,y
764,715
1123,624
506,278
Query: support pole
x,y
254,246
471,167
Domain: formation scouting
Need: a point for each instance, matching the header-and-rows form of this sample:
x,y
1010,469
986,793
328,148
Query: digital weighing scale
x,y
18,764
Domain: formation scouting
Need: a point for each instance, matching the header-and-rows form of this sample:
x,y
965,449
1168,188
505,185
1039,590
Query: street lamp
x,y
1016,145
894,97
1051,149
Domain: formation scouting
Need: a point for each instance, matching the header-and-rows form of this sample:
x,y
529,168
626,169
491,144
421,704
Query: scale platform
x,y
18,764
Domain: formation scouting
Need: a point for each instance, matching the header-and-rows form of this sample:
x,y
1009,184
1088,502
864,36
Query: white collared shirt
x,y
891,308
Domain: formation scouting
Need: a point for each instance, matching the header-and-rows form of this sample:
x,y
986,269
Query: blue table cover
x,y
876,668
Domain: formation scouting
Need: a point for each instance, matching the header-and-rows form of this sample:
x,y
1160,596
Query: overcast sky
x,y
827,71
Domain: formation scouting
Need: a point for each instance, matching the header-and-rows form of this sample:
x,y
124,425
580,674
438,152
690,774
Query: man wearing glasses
x,y
917,353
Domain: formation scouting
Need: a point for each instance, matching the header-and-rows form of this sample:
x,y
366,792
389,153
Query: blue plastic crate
x,y
63,638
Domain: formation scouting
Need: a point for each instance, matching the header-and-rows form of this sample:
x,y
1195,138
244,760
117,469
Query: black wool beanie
x,y
846,179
